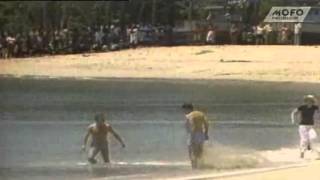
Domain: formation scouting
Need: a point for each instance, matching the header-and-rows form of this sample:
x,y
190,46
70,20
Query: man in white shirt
x,y
268,33
259,35
297,33
211,36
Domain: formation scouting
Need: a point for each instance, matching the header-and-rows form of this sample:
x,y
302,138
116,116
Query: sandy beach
x,y
265,63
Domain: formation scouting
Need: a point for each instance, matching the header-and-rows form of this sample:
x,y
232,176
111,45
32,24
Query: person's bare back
x,y
197,129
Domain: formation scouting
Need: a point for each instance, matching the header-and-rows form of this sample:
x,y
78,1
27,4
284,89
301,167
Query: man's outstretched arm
x,y
86,137
293,115
206,128
317,118
116,135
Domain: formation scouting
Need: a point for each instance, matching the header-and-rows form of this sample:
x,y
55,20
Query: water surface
x,y
43,122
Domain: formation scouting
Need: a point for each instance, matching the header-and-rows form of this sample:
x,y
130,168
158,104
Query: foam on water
x,y
153,163
222,157
141,163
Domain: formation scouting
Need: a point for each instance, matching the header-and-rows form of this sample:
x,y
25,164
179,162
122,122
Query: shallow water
x,y
43,122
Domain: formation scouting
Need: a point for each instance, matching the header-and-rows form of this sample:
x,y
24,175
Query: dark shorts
x,y
196,144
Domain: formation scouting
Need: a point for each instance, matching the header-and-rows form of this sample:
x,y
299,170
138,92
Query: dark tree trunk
x,y
143,4
154,11
44,15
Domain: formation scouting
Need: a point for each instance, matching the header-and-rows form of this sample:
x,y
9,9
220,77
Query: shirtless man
x,y
197,129
99,132
307,114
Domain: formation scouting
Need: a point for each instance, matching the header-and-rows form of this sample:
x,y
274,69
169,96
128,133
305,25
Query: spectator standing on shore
x,y
24,44
11,44
211,36
297,33
39,43
284,34
134,36
127,35
268,35
234,32
45,41
64,40
51,42
29,43
259,35
69,39
4,46
55,42
98,36
17,46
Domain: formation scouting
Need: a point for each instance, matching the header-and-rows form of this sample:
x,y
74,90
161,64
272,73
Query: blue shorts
x,y
197,138
196,144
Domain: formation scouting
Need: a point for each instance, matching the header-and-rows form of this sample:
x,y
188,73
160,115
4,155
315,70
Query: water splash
x,y
222,158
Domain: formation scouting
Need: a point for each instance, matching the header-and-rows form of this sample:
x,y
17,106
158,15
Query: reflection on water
x,y
43,121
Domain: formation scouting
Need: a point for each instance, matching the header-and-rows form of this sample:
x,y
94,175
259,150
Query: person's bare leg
x,y
105,154
93,151
191,157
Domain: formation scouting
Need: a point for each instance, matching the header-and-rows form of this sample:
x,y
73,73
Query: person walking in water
x,y
197,128
307,112
99,133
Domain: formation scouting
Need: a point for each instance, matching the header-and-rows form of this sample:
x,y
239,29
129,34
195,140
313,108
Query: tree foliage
x,y
25,15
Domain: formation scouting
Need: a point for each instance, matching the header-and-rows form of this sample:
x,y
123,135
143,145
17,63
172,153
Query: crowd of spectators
x,y
266,34
91,39
108,38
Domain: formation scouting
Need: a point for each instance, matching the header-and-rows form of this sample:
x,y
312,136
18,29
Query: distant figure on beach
x,y
211,36
307,112
268,34
99,133
284,34
234,34
259,34
134,36
297,33
197,128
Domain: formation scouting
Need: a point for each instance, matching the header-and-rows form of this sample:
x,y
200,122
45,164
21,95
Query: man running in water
x,y
99,132
307,116
197,129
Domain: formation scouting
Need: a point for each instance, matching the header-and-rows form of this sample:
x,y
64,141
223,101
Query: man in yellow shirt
x,y
197,128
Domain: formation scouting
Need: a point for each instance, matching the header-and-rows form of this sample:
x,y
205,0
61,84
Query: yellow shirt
x,y
197,120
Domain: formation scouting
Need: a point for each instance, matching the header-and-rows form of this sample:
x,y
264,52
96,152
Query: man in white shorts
x,y
307,113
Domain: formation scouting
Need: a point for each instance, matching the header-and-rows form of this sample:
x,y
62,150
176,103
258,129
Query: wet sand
x,y
311,172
